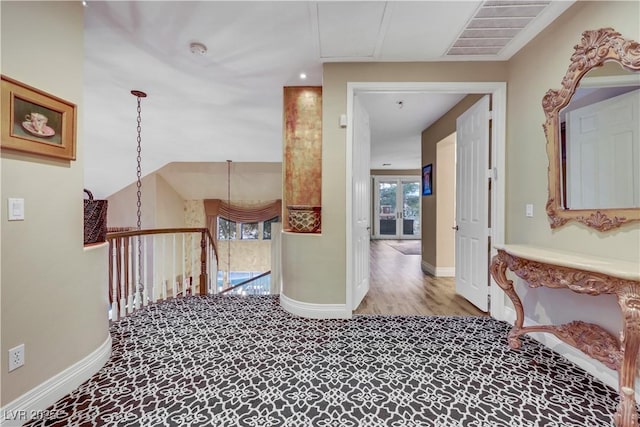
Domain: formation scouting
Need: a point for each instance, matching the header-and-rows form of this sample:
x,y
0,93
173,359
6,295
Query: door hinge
x,y
490,115
492,173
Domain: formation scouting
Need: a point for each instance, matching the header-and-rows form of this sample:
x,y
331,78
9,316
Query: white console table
x,y
550,268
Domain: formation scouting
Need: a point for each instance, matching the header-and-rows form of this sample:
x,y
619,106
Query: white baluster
x,y
195,264
136,273
145,276
163,269
123,283
131,275
173,269
114,284
184,265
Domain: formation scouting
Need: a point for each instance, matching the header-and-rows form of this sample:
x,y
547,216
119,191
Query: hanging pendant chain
x,y
139,202
139,171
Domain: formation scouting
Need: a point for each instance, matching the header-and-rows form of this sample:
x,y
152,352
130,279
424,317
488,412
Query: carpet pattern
x,y
243,361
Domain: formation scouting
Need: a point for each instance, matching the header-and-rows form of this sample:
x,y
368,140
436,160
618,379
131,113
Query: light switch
x,y
528,211
16,209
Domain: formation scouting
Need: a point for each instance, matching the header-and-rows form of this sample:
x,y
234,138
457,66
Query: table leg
x,y
498,270
629,300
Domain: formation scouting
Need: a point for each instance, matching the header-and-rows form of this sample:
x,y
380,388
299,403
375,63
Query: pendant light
x,y
139,95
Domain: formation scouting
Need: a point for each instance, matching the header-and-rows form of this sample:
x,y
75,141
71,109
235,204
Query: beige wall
x,y
208,180
170,206
122,206
314,267
439,130
54,293
445,190
540,66
162,206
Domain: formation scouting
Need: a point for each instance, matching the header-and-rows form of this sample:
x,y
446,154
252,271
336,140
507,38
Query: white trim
x,y
428,268
49,392
314,311
498,163
498,91
438,271
445,272
592,366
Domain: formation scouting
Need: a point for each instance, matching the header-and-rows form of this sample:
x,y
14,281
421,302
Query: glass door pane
x,y
411,208
387,192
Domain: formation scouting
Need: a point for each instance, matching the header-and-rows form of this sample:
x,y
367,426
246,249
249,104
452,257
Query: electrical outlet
x,y
16,357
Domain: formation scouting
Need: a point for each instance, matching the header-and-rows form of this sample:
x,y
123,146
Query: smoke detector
x,y
198,48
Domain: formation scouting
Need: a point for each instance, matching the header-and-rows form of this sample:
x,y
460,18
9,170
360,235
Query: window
x,y
227,230
231,230
249,231
266,230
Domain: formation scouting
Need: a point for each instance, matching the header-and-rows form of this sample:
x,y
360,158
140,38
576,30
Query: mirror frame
x,y
596,47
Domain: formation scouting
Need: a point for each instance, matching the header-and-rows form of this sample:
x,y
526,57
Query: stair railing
x,y
147,266
257,285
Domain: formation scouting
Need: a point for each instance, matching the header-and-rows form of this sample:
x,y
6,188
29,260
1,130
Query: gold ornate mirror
x,y
593,134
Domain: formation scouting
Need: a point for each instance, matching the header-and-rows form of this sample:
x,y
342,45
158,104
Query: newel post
x,y
203,263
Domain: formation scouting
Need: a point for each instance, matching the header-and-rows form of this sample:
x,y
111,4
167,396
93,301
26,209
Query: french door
x,y
397,207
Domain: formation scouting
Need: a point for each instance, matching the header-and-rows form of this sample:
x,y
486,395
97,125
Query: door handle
x,y
455,228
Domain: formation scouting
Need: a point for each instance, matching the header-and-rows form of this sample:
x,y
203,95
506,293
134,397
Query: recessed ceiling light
x,y
303,76
198,48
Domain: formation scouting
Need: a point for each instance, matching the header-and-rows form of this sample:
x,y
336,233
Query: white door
x,y
361,202
603,154
472,204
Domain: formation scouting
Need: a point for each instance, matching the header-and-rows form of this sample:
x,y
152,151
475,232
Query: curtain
x,y
214,208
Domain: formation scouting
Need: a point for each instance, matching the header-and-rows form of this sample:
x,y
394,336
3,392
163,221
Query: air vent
x,y
494,26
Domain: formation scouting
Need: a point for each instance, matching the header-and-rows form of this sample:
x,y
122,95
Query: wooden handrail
x,y
148,231
158,231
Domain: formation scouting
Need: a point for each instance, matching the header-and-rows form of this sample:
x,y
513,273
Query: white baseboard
x,y
32,405
445,272
438,271
592,366
314,311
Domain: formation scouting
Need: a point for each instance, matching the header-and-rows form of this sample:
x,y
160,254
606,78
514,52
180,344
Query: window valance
x,y
214,208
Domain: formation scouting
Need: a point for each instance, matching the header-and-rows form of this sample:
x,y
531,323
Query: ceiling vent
x,y
494,26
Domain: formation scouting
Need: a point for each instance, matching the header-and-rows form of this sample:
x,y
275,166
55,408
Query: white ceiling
x,y
227,104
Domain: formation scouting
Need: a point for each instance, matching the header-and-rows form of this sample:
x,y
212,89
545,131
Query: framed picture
x,y
36,122
427,182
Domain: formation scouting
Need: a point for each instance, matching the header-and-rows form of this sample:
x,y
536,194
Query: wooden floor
x,y
398,286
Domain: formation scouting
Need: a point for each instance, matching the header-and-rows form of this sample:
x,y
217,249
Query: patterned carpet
x,y
243,361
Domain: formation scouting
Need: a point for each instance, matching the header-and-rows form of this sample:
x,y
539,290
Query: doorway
x,y
397,207
498,92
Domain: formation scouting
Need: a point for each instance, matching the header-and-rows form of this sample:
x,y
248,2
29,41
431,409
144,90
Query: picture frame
x,y
427,180
36,122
